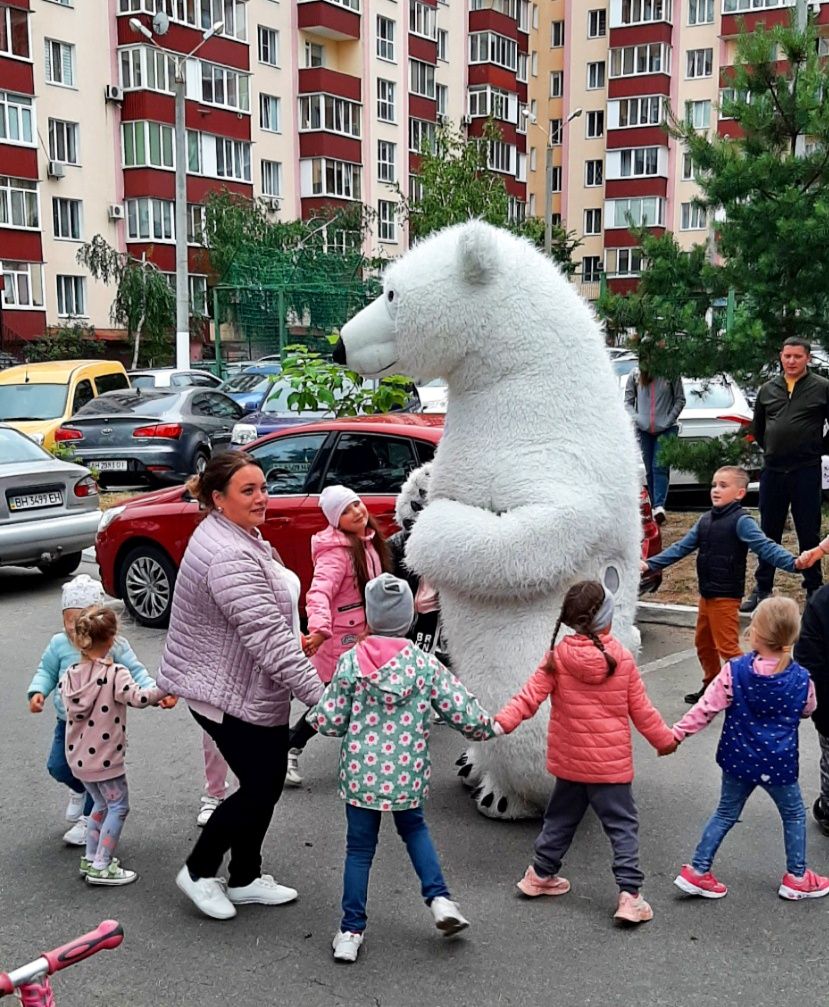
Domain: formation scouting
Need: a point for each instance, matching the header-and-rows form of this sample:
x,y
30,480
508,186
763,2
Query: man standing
x,y
789,417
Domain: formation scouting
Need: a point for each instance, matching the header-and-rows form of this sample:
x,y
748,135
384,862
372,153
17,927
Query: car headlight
x,y
244,433
110,515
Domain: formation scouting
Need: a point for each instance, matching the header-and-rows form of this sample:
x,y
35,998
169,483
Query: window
x,y
698,114
421,135
521,72
72,297
371,464
421,78
556,83
194,158
700,11
14,32
83,389
59,62
314,54
534,63
535,17
638,162
197,290
501,157
271,178
555,178
145,67
334,178
196,13
150,219
629,262
591,268
422,19
386,161
385,38
324,111
523,15
16,111
287,462
18,203
692,217
386,220
487,47
443,44
23,284
643,211
63,141
196,223
737,6
147,144
638,11
595,75
596,23
687,167
700,63
268,46
556,34
442,98
270,117
593,173
594,125
66,218
633,60
487,100
232,159
593,221
556,132
111,382
636,111
222,86
385,100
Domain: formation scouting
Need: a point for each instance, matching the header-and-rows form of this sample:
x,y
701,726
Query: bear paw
x,y
467,769
495,802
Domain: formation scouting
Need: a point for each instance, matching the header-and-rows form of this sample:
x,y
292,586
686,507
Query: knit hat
x,y
604,617
81,592
389,605
334,500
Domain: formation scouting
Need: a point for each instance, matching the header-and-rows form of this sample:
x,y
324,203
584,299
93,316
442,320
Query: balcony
x,y
330,18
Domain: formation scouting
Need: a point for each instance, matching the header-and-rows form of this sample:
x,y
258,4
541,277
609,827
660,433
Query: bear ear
x,y
478,252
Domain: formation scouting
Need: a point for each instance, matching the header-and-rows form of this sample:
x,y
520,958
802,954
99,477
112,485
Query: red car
x,y
140,543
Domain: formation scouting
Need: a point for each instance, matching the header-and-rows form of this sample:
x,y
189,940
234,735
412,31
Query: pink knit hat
x,y
334,500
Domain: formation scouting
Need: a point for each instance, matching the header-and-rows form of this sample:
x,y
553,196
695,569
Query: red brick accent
x,y
182,38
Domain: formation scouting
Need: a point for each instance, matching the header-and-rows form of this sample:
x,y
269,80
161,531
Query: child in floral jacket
x,y
380,703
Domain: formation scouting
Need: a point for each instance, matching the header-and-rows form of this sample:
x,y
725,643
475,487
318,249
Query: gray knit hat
x,y
389,606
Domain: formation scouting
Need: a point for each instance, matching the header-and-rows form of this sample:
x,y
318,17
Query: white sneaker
x,y
346,946
448,918
112,874
292,777
263,891
76,836
208,806
74,809
207,894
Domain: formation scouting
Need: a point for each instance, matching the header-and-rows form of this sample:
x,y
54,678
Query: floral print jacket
x,y
383,713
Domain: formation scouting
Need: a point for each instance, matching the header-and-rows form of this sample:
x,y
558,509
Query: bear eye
x,y
390,296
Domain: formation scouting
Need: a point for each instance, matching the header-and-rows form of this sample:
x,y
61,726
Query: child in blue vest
x,y
721,538
765,694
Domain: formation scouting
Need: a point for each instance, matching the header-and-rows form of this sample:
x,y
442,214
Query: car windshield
x,y
29,401
142,380
624,365
15,447
708,394
245,382
130,403
276,403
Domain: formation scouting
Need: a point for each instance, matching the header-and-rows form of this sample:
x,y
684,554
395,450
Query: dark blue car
x,y
274,414
251,386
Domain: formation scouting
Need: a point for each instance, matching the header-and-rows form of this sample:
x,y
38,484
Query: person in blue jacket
x,y
81,592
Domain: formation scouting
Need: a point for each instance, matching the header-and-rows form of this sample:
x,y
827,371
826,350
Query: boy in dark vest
x,y
721,539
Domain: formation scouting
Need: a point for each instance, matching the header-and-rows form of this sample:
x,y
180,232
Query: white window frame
x,y
233,159
644,11
630,267
270,113
640,208
17,115
556,132
330,114
387,161
594,125
556,177
67,219
267,45
556,34
422,20
142,67
386,39
591,170
152,134
199,14
443,45
640,60
64,139
420,130
698,113
421,78
61,55
217,79
6,14
71,296
150,220
687,167
596,75
591,269
700,12
699,63
314,54
556,83
639,162
331,177
19,203
692,217
19,277
271,178
490,47
647,111
596,23
386,100
442,99
387,221
593,221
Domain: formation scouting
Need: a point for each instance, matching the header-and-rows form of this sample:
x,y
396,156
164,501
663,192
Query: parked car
x,y
274,414
37,398
150,436
49,510
251,386
172,377
7,360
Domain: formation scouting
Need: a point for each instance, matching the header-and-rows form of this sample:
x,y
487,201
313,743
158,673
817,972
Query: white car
x,y
172,377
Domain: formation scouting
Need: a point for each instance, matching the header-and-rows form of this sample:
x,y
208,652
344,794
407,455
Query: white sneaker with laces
x,y
346,946
263,891
208,806
207,894
448,918
292,777
74,809
76,836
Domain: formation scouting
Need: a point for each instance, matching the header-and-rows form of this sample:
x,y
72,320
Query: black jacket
x,y
789,429
721,559
812,651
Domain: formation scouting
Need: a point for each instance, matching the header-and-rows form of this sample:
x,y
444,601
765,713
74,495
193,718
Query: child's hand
x,y
499,731
168,702
643,568
808,558
312,643
36,703
668,749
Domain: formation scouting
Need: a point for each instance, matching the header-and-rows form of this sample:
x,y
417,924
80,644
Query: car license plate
x,y
108,466
31,501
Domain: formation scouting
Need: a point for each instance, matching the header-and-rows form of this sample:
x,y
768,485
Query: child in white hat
x,y
80,593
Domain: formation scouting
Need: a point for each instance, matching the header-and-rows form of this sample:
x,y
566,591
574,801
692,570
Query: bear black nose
x,y
338,356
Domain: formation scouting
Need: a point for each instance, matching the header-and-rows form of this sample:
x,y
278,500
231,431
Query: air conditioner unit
x,y
56,169
115,211
272,202
466,120
443,120
114,93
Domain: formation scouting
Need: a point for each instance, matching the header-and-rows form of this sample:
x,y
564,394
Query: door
x,y
226,413
204,415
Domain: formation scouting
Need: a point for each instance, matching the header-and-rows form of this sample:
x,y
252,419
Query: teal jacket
x,y
380,703
62,654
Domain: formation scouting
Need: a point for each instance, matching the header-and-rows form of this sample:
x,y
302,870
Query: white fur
x,y
534,485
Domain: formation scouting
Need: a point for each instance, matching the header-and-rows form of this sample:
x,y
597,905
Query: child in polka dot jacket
x,y
765,694
96,693
380,703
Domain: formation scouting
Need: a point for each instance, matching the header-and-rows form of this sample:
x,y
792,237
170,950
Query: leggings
x,y
109,812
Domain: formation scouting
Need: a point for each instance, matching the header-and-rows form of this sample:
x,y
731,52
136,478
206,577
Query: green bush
x,y
65,342
702,458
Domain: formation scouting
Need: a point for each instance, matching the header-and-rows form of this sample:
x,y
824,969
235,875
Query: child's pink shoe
x,y
531,884
705,885
632,909
810,886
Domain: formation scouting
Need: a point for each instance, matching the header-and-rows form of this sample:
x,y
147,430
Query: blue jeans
x,y
361,842
734,795
658,475
58,767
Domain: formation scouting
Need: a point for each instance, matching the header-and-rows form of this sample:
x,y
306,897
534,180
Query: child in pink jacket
x,y
595,690
349,553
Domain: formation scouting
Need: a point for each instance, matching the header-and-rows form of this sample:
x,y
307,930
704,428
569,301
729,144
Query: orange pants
x,y
717,637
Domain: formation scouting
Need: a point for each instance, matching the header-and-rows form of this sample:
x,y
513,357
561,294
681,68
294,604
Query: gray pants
x,y
615,809
824,768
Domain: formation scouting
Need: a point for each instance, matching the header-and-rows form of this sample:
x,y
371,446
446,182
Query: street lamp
x,y
182,273
548,194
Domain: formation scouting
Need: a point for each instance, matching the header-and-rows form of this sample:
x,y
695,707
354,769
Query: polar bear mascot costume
x,y
534,485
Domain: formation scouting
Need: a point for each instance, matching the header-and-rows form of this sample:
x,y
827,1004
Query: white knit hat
x,y
81,592
334,500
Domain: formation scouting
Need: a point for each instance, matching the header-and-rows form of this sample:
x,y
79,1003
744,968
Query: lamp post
x,y
182,273
548,171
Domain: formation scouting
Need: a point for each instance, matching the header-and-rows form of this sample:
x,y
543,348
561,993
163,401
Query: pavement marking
x,y
668,661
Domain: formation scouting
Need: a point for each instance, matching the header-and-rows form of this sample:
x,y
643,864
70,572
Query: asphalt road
x,y
751,947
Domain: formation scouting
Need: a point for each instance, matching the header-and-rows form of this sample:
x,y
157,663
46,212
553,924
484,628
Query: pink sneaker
x,y
632,909
531,884
810,886
705,885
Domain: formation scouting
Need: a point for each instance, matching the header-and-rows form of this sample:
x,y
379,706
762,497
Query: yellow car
x,y
36,398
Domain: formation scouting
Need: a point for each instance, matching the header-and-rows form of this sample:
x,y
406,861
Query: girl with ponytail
x,y
595,690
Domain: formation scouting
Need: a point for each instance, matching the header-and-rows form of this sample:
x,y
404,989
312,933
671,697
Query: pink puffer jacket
x,y
588,740
333,602
231,642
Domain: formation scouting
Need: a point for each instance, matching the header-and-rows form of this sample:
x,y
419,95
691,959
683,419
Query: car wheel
x,y
146,581
61,567
200,460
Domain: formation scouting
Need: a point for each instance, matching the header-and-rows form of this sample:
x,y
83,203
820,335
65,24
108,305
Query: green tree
x,y
65,342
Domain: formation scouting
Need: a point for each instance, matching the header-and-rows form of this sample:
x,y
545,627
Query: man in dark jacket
x,y
789,417
812,651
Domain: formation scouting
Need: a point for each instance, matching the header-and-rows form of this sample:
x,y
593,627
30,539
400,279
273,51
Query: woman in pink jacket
x,y
349,553
595,690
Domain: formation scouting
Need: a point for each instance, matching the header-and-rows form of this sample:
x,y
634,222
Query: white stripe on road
x,y
668,661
